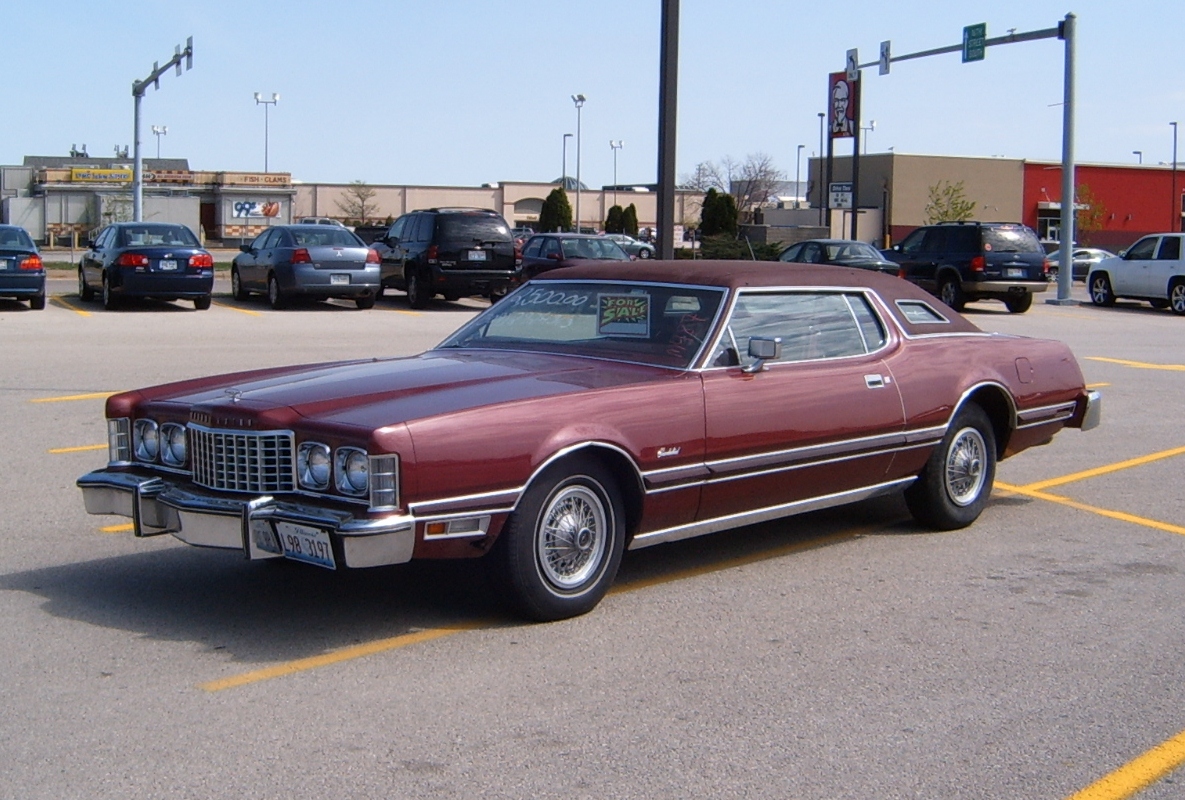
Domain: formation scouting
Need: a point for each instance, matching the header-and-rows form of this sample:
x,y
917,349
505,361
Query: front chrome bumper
x,y
205,519
1092,415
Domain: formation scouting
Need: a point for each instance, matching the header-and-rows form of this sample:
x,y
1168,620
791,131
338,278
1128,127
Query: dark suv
x,y
964,261
456,252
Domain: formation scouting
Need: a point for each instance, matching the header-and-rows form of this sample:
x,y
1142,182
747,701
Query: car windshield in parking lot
x,y
639,323
15,238
155,235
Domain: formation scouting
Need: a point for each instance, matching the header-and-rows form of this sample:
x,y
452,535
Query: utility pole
x,y
138,89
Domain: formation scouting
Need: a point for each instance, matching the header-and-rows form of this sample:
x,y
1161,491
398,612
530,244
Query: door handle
x,y
875,381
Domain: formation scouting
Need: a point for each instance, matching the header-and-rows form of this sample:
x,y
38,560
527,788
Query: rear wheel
x,y
37,302
236,285
1159,303
364,302
560,549
1177,297
418,293
1020,303
645,252
1100,290
951,293
85,293
202,303
275,297
110,300
953,488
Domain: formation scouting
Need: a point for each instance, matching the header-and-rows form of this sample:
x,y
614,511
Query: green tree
x,y
629,220
556,214
1089,212
719,214
613,221
947,203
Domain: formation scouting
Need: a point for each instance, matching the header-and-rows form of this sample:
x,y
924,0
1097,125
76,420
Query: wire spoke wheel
x,y
571,539
965,467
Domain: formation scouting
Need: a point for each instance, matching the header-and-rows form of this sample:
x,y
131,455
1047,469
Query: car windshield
x,y
853,250
469,229
325,236
642,323
15,238
1014,239
602,249
162,235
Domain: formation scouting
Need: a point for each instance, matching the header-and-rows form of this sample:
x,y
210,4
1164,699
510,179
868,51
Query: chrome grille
x,y
242,461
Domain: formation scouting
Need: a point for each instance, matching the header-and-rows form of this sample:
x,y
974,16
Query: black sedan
x,y
22,275
547,251
841,252
307,261
158,260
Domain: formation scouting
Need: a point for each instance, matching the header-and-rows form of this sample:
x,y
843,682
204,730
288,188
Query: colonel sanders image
x,y
841,122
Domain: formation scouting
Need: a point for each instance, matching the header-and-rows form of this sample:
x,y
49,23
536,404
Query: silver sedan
x,y
316,262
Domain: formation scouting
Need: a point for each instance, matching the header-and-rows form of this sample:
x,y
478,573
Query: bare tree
x,y
356,201
707,176
750,182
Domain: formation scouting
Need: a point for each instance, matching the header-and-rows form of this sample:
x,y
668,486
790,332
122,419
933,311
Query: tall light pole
x,y
259,101
798,176
871,127
1176,216
1139,154
819,177
138,89
159,131
564,174
615,145
578,100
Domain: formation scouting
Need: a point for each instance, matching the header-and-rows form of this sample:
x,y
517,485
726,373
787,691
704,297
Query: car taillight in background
x,y
518,254
432,253
977,264
372,257
301,256
132,260
901,273
1046,266
202,260
31,262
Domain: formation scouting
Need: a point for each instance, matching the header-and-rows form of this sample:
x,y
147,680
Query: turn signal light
x,y
977,264
301,256
132,260
372,257
32,262
202,260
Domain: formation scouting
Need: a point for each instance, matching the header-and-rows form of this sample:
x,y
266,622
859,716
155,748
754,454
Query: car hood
x,y
377,393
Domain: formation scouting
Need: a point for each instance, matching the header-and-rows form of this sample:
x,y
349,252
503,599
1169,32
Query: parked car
x,y
1153,269
965,261
841,252
314,262
598,408
456,252
1082,259
320,221
157,260
546,251
521,234
632,246
22,275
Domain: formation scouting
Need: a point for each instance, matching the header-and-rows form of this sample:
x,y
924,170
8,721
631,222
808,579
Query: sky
x,y
466,92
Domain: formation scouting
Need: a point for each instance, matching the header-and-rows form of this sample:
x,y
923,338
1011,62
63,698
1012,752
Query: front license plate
x,y
339,279
307,544
1015,272
477,255
167,263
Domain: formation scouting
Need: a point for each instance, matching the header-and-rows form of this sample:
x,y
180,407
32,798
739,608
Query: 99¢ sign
x,y
253,208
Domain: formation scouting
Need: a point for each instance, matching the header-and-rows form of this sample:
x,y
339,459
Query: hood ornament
x,y
235,395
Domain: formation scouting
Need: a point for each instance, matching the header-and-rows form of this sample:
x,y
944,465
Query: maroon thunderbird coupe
x,y
595,409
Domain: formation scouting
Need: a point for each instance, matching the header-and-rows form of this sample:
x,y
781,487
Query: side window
x,y
962,240
871,332
396,231
811,326
913,243
935,242
266,240
551,247
1170,248
533,248
1142,249
104,239
812,254
791,254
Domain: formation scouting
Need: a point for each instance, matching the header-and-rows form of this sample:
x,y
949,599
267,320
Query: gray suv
x,y
965,261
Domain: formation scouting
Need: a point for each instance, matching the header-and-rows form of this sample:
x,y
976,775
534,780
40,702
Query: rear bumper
x,y
30,284
162,285
247,524
475,281
310,281
1004,288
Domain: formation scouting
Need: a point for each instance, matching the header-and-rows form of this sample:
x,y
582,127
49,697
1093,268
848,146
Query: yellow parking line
x,y
404,311
1138,364
68,397
1096,385
57,450
1103,512
127,526
57,301
1091,473
240,310
337,656
1137,774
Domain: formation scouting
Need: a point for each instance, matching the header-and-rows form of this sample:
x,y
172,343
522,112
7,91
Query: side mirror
x,y
1123,253
763,349
90,243
246,248
555,256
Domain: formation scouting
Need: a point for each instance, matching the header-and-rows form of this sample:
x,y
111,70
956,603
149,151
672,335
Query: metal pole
x,y
137,165
564,174
798,176
265,135
856,158
615,144
1065,269
1175,217
578,100
819,176
668,88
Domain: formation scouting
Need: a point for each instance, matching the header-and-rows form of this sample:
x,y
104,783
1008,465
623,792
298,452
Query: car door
x,y
391,251
1130,278
1164,267
92,260
919,255
248,262
821,419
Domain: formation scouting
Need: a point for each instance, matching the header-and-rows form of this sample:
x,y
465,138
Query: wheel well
x,y
629,482
948,272
996,405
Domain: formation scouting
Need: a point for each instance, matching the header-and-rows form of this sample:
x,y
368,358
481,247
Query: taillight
x,y
518,255
901,273
432,252
1046,266
977,264
132,260
202,260
372,257
31,262
301,256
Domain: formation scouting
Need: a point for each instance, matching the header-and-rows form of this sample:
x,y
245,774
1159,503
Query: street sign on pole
x,y
974,42
841,194
885,58
853,68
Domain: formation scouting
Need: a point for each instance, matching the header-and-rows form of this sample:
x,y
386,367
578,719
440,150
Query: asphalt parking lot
x,y
844,654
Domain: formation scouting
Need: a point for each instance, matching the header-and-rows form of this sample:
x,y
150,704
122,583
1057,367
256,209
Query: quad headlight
x,y
313,465
145,440
173,444
352,468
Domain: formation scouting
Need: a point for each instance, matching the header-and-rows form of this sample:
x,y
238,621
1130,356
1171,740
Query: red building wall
x,y
1137,200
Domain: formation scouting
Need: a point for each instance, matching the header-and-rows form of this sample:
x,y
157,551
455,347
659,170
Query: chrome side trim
x,y
765,514
1042,415
736,476
865,445
502,495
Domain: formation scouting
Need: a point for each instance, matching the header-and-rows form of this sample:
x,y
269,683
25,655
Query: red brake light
x,y
901,273
1045,266
32,262
977,264
301,256
433,250
132,260
202,260
372,257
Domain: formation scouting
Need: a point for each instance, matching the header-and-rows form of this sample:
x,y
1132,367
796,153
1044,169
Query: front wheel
x,y
364,302
953,488
236,286
1100,290
1177,297
560,549
645,252
951,293
1020,303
